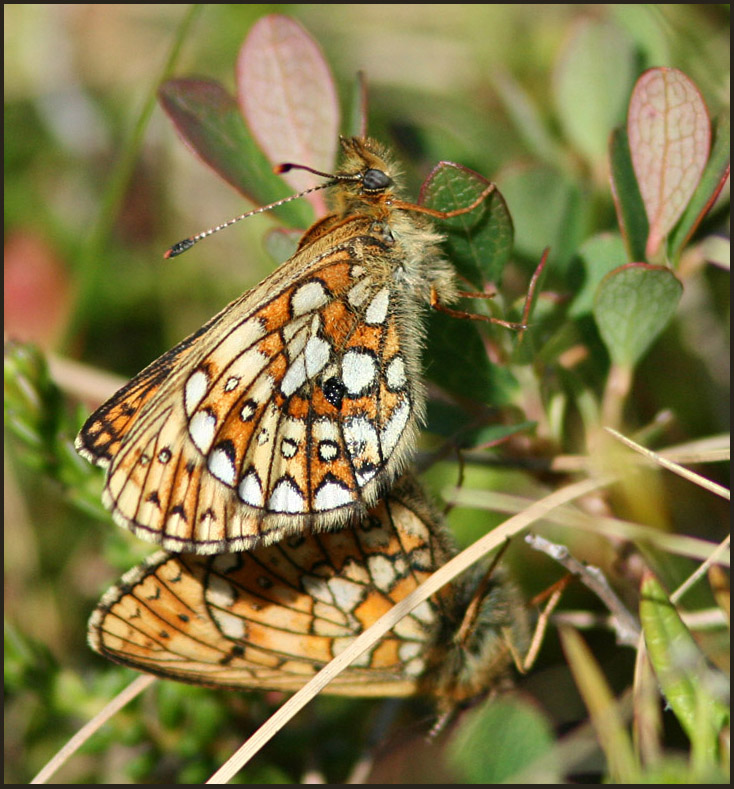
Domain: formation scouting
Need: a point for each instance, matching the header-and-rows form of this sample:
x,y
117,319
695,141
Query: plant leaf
x,y
633,304
684,675
712,182
456,360
669,137
288,97
210,123
520,735
479,243
599,254
591,83
605,716
631,215
548,209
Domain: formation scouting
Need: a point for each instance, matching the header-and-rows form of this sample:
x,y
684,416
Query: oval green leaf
x,y
479,242
591,83
519,735
633,304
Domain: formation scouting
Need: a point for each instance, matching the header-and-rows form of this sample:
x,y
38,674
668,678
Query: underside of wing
x,y
294,412
272,617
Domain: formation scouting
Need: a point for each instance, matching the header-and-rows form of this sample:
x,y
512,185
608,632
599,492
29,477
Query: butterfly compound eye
x,y
375,180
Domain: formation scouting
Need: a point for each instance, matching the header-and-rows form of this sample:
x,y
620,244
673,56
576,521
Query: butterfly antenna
x,y
187,243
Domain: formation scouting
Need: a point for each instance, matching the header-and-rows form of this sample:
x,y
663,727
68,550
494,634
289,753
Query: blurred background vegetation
x,y
98,185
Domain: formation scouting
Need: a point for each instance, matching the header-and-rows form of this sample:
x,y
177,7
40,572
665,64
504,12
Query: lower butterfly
x,y
297,405
270,618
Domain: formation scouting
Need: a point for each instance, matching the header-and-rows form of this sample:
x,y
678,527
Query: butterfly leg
x,y
436,305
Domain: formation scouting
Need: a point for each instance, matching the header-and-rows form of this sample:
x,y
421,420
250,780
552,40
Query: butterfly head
x,y
367,177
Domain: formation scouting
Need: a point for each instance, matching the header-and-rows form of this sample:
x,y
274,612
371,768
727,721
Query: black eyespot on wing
x,y
334,391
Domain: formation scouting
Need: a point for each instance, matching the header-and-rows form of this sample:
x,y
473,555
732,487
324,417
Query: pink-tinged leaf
x,y
669,137
287,95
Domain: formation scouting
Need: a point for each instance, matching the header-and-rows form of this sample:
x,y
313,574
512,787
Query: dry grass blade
x,y
676,468
717,557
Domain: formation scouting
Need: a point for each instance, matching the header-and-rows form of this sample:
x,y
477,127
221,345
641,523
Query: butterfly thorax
x,y
410,246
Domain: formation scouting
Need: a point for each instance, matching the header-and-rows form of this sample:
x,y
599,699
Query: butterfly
x,y
271,617
296,406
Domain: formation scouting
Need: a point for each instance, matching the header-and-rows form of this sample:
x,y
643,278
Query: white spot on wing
x,y
202,427
288,448
331,496
364,475
409,651
231,626
347,594
316,587
382,572
195,390
221,466
250,489
361,437
415,667
247,364
308,297
377,310
410,629
295,377
328,451
317,355
395,373
424,613
392,431
220,592
286,497
359,292
358,371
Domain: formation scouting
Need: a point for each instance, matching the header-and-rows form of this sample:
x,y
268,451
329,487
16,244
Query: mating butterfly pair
x,y
285,417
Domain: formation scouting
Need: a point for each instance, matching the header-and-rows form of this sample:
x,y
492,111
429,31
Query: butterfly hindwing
x,y
271,617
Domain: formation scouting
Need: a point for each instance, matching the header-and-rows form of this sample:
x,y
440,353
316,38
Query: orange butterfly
x,y
298,404
270,618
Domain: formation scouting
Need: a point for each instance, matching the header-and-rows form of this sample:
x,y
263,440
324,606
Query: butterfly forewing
x,y
271,617
293,408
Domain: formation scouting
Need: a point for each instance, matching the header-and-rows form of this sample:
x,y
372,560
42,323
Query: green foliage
x,y
519,94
